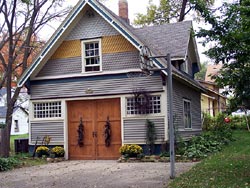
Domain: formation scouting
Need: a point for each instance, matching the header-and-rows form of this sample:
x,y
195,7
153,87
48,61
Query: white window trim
x,y
189,101
32,114
83,54
126,115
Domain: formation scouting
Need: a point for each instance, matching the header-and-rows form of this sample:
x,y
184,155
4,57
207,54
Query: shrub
x,y
150,136
42,150
205,144
207,121
8,163
58,151
239,122
130,150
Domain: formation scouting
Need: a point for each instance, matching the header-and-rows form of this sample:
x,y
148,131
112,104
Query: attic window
x,y
91,55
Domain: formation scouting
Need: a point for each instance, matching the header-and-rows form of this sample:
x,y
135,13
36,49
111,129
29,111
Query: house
x,y
88,76
212,70
212,102
20,117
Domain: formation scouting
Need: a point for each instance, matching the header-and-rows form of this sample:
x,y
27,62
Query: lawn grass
x,y
229,168
25,159
21,159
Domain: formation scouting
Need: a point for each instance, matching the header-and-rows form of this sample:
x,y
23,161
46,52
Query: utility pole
x,y
171,126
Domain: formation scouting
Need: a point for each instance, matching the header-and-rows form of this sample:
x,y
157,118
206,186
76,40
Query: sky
x,y
135,6
140,6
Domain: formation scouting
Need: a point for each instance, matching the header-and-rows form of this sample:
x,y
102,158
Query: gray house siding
x,y
56,67
135,130
121,61
73,65
91,27
53,129
180,92
93,86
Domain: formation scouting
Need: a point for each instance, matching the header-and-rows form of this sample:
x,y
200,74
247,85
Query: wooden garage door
x,y
94,114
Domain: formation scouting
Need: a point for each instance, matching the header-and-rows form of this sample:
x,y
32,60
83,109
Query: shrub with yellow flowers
x,y
131,150
42,150
58,151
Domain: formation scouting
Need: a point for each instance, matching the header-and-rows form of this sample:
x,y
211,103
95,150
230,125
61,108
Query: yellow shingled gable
x,y
110,44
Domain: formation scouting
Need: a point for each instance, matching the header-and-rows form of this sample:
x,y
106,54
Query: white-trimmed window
x,y
91,55
187,114
143,105
47,109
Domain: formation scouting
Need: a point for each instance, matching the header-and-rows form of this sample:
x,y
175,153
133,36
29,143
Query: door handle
x,y
94,133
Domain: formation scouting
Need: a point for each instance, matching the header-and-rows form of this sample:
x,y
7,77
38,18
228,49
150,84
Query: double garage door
x,y
94,115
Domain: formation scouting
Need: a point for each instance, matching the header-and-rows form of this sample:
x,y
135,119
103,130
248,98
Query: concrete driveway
x,y
91,174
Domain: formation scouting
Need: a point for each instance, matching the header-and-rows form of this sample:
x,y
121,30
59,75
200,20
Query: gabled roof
x,y
175,42
168,38
212,70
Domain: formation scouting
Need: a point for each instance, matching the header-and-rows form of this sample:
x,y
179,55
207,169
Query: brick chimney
x,y
123,10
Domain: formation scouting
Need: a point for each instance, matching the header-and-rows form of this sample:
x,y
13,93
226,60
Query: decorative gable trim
x,y
58,34
51,42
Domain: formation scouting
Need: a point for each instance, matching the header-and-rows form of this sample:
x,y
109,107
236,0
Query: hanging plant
x,y
107,133
142,100
80,131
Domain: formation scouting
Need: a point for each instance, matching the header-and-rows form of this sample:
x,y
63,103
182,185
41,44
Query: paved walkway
x,y
91,174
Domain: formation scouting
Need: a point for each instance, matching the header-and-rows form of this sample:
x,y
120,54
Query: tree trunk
x,y
248,128
183,8
5,141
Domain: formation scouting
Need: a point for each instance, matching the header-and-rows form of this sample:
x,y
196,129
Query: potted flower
x,y
132,150
42,150
57,151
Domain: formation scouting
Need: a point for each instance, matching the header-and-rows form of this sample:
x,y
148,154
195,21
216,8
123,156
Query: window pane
x,y
47,110
141,105
92,58
96,45
187,114
86,46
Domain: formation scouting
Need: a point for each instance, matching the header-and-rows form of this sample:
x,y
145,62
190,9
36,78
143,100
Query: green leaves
x,y
229,36
26,1
8,163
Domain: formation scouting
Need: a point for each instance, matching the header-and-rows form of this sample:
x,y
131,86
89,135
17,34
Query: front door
x,y
94,115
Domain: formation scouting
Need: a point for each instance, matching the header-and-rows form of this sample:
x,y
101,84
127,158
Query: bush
x,y
58,151
239,122
205,144
132,150
8,163
42,150
213,123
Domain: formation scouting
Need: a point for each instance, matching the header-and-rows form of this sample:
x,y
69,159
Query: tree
x,y
230,36
201,75
20,23
168,10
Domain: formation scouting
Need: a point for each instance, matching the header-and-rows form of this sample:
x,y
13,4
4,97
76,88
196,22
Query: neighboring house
x,y
212,70
212,102
20,115
88,75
